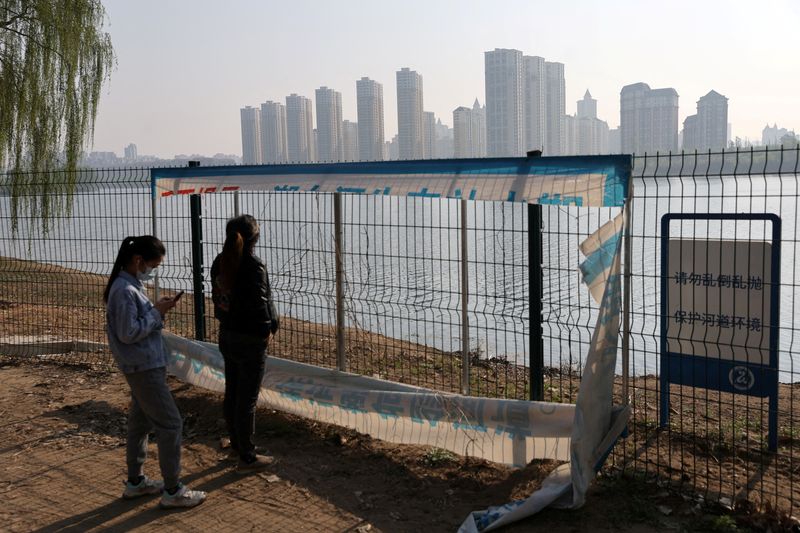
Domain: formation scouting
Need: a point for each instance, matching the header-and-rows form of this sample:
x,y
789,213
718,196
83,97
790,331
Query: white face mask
x,y
149,273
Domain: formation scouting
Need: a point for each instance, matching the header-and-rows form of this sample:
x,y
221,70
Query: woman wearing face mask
x,y
133,325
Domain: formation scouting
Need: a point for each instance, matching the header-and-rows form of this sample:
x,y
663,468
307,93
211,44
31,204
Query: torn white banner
x,y
597,423
600,250
513,432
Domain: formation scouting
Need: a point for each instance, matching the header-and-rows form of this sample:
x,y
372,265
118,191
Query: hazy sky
x,y
186,67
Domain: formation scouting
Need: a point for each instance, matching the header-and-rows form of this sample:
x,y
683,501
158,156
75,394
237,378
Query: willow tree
x,y
54,59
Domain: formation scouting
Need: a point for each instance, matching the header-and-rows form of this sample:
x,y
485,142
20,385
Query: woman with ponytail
x,y
133,325
243,305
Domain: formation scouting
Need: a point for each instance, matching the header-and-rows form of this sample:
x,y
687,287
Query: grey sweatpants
x,y
153,407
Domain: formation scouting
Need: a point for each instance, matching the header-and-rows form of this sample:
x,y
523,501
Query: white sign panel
x,y
718,303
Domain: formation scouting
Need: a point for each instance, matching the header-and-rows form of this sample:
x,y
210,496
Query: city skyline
x,y
162,117
526,110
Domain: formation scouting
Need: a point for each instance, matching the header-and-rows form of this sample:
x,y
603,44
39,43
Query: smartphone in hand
x,y
177,296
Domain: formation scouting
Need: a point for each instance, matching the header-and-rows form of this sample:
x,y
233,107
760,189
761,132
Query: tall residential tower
x,y
410,127
555,108
329,125
708,129
469,127
273,133
369,101
504,103
299,129
534,102
251,135
648,119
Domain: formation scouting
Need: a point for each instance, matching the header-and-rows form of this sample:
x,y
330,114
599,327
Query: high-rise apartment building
x,y
614,142
469,127
504,80
555,108
429,135
587,107
444,140
648,119
534,102
712,112
329,125
410,129
708,129
585,133
463,136
571,135
369,101
273,133
349,141
689,138
525,104
131,152
299,129
251,135
392,149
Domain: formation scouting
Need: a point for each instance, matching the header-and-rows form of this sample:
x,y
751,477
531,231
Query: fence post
x,y
535,293
341,357
154,221
628,299
195,206
236,203
465,370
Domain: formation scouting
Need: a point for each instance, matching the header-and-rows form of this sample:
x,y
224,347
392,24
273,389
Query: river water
x,y
402,258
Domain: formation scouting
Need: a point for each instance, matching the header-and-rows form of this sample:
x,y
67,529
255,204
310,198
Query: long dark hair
x,y
241,236
147,246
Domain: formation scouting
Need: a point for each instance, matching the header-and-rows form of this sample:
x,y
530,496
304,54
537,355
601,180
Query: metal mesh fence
x,y
716,443
52,276
403,288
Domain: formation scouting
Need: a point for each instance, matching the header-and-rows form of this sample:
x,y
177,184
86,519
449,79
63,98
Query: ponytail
x,y
241,235
124,256
147,246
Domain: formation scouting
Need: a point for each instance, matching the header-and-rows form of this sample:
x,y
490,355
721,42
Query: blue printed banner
x,y
592,181
506,431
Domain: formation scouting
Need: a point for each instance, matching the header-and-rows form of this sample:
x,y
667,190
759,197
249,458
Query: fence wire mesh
x,y
715,442
403,289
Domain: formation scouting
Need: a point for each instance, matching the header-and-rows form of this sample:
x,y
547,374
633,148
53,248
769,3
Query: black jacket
x,y
248,308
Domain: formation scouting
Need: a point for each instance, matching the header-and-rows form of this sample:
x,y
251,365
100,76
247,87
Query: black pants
x,y
244,368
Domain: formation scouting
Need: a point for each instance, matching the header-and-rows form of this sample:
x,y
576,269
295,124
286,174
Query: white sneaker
x,y
145,487
182,498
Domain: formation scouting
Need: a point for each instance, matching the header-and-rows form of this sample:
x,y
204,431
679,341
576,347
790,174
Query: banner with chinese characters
x,y
590,181
513,432
718,303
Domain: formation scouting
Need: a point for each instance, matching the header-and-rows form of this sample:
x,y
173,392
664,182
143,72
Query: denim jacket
x,y
134,327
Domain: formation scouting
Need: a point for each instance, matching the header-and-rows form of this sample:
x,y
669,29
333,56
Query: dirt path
x,y
62,466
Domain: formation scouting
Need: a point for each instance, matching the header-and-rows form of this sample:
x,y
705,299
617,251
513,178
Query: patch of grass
x,y
720,524
788,432
438,457
648,424
553,393
744,425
